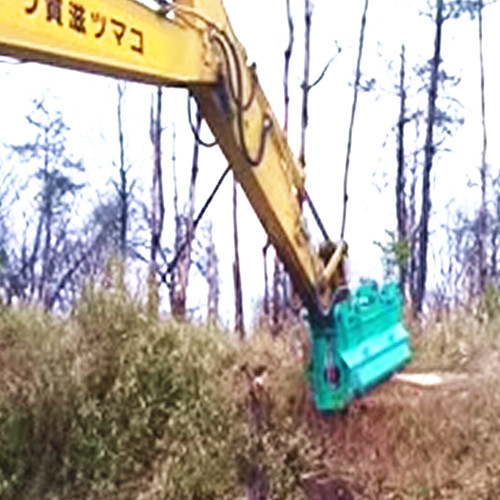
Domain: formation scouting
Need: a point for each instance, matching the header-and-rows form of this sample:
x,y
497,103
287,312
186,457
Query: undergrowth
x,y
112,403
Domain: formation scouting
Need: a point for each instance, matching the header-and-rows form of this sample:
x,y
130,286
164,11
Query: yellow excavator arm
x,y
187,43
190,43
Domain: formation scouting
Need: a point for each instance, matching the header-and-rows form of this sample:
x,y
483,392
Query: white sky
x,y
390,23
89,107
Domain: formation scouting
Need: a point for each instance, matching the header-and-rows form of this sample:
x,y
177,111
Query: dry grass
x,y
111,403
443,442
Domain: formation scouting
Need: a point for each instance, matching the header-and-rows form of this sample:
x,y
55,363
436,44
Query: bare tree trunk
x,y
305,82
184,262
494,252
174,177
47,223
157,203
43,295
258,408
213,280
401,212
278,303
353,113
265,305
178,225
429,151
286,72
278,268
122,187
29,267
413,227
238,294
484,167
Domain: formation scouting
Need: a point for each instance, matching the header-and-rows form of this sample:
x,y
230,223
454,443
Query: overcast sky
x,y
390,23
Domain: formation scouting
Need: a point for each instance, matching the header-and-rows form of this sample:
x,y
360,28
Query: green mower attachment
x,y
358,345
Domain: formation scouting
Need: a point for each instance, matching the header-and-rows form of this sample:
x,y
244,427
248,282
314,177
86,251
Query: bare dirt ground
x,y
423,435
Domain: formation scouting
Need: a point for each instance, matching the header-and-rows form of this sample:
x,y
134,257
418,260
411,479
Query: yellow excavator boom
x,y
186,43
121,38
190,43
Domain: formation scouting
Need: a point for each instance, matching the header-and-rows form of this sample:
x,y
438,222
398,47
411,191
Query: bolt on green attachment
x,y
359,344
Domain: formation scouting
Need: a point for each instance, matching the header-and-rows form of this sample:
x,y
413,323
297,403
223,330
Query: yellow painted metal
x,y
274,187
272,190
194,45
331,269
114,37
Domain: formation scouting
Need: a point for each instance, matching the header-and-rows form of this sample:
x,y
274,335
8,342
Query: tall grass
x,y
91,404
112,403
408,442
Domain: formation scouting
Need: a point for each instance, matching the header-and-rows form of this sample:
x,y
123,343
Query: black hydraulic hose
x,y
223,40
197,137
239,99
173,262
317,218
236,95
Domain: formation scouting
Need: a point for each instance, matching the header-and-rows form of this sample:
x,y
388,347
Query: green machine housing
x,y
359,344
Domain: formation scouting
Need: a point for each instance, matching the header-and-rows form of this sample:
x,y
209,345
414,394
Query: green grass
x,y
112,403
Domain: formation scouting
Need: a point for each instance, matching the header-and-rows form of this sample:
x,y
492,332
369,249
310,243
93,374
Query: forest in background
x,y
69,201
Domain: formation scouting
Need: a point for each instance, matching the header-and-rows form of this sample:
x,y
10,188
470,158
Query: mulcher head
x,y
361,343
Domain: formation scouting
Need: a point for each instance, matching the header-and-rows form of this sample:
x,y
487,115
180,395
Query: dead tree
x,y
212,280
401,208
258,410
308,11
306,85
178,235
185,236
286,72
484,167
265,305
357,79
157,201
278,268
413,227
122,187
429,152
238,294
280,279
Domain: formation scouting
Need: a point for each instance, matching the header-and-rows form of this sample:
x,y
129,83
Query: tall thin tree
x,y
41,267
239,325
401,207
308,11
357,79
123,188
185,235
157,199
278,267
286,72
429,152
484,167
212,279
